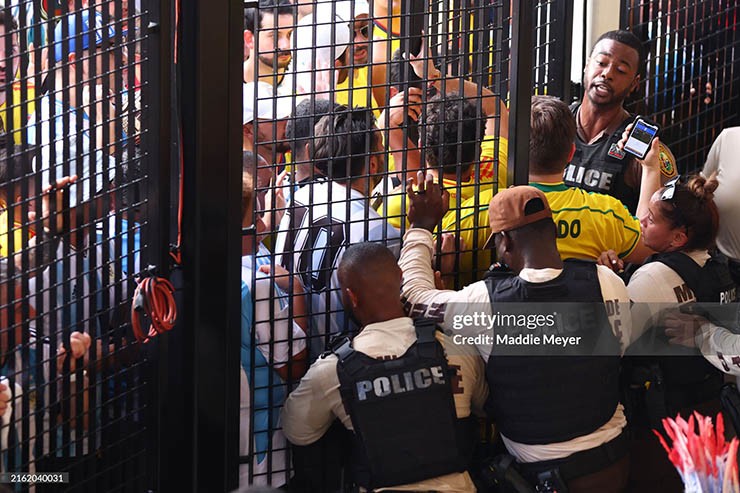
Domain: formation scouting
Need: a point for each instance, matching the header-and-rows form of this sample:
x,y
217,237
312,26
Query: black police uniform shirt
x,y
604,168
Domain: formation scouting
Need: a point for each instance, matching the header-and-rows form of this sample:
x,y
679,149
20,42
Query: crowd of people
x,y
382,254
379,184
70,228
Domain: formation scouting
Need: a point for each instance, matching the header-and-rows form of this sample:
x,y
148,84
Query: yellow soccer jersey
x,y
380,32
395,206
588,224
18,121
17,234
359,90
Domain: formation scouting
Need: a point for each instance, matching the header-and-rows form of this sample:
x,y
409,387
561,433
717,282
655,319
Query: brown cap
x,y
508,209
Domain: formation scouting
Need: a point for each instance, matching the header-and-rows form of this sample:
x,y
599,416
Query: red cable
x,y
153,296
175,251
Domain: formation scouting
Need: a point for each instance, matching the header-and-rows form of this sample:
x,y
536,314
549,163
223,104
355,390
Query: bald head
x,y
371,282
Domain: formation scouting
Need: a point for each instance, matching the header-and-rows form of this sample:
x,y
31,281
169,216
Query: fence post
x,y
521,92
211,109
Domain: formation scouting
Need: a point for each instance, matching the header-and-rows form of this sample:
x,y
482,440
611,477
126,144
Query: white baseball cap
x,y
318,42
269,106
346,9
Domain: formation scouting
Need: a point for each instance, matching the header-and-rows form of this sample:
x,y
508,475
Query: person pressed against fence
x,y
299,132
579,432
273,349
587,222
402,118
267,50
611,74
328,215
417,436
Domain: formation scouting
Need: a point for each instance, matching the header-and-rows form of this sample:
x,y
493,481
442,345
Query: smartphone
x,y
641,137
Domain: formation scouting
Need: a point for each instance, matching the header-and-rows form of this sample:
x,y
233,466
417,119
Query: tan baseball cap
x,y
512,208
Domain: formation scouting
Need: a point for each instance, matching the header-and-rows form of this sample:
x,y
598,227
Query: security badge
x,y
667,162
616,152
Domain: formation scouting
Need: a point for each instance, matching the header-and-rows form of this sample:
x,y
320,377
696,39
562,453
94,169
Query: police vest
x,y
711,285
548,399
403,413
600,167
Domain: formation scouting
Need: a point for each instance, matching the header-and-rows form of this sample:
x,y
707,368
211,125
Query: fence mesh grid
x,y
692,71
338,115
74,213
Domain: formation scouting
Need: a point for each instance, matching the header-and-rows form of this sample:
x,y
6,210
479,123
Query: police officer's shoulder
x,y
667,162
498,271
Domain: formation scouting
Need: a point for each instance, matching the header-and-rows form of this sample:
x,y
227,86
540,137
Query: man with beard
x,y
267,31
612,73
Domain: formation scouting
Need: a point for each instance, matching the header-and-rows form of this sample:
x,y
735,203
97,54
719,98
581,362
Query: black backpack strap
x,y
426,342
689,271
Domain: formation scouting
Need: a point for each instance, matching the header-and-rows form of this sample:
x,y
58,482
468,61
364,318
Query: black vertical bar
x,y
560,56
521,92
158,30
211,104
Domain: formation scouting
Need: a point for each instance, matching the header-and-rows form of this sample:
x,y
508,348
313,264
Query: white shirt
x,y
312,407
723,158
323,219
422,298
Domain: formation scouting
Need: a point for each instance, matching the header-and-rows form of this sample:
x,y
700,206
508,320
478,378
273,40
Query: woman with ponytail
x,y
661,379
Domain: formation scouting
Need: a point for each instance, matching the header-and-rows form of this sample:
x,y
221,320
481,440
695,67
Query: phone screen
x,y
640,137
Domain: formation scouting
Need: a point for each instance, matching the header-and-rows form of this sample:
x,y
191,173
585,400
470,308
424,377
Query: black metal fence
x,y
693,71
80,216
140,103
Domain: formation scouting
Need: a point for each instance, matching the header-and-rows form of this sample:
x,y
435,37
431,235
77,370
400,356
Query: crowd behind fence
x,y
343,103
72,231
441,104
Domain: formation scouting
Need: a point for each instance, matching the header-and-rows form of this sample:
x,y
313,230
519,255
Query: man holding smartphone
x,y
611,74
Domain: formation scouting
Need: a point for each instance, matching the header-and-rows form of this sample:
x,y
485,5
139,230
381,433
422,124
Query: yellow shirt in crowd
x,y
17,232
395,206
16,103
359,90
588,224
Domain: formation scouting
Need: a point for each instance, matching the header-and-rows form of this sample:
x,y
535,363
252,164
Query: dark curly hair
x,y
451,133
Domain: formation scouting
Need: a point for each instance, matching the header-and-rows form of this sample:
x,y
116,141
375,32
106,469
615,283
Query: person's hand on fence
x,y
54,194
423,63
275,202
404,103
5,396
428,204
79,346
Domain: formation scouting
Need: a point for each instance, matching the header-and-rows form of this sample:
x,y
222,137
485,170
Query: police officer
x,y
611,74
409,407
681,224
559,417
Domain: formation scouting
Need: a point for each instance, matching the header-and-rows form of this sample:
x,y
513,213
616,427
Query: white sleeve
x,y
720,347
712,163
617,302
419,292
272,326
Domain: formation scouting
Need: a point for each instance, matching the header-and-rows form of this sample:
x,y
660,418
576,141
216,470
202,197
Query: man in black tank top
x,y
611,74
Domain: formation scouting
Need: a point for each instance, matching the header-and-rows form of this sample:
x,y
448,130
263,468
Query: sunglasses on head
x,y
670,188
